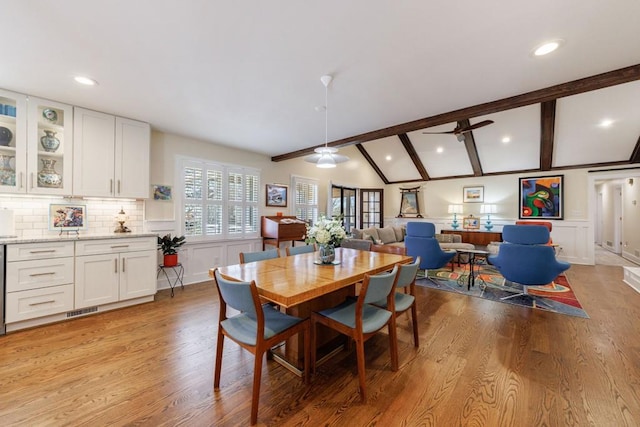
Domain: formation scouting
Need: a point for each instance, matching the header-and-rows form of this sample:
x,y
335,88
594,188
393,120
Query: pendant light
x,y
326,156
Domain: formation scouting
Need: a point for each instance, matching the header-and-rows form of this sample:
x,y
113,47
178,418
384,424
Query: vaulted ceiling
x,y
246,74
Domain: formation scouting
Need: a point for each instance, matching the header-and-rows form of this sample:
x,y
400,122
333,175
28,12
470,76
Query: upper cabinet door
x,y
13,142
50,147
93,153
133,142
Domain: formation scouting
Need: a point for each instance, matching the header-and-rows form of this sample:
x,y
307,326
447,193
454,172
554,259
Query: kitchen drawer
x,y
29,251
106,246
38,302
24,275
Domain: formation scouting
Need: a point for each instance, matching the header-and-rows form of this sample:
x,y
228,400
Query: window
x,y
305,199
219,201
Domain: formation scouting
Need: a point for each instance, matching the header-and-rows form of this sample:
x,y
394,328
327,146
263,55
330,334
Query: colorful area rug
x,y
556,297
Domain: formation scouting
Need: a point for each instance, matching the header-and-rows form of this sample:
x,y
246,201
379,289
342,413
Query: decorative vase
x,y
170,260
5,136
327,253
7,173
49,142
48,177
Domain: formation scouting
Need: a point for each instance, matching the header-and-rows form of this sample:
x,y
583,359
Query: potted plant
x,y
169,248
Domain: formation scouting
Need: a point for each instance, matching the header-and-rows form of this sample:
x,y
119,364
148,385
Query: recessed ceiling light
x,y
388,158
606,123
85,80
439,149
547,48
506,140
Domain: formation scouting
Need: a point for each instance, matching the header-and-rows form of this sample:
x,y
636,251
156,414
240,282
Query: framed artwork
x,y
541,197
67,217
276,195
473,194
409,205
470,223
162,192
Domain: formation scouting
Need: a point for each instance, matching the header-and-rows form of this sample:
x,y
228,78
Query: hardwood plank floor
x,y
480,363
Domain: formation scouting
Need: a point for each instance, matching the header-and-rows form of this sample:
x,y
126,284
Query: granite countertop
x,y
4,240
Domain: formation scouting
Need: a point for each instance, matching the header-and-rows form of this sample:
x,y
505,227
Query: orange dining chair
x,y
256,328
360,320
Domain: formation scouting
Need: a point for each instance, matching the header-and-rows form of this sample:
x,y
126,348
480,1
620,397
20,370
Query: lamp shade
x,y
457,209
488,209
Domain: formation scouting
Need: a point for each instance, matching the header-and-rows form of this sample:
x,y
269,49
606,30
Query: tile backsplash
x,y
31,215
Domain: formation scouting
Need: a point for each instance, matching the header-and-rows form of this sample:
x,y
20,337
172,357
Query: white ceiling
x,y
247,73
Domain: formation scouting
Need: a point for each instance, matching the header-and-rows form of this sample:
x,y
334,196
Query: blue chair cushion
x,y
421,229
402,301
526,234
244,327
373,318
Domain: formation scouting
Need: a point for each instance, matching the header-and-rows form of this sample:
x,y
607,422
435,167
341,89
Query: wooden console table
x,y
276,229
477,237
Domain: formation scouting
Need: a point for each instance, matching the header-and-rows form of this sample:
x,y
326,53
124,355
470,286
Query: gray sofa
x,y
394,236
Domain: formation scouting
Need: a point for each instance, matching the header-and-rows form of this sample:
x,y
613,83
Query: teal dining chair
x,y
302,249
405,295
259,256
256,328
360,320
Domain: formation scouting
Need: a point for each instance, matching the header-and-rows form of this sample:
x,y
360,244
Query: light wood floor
x,y
480,363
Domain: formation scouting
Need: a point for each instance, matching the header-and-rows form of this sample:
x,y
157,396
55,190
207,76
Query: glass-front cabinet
x,y
49,150
36,137
13,142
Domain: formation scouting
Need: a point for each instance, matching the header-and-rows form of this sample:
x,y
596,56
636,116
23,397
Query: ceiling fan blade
x,y
450,132
474,126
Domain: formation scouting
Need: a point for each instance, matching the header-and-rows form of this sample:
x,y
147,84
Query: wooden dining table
x,y
300,285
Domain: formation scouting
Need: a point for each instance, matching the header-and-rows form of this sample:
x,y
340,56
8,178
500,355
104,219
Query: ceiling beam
x,y
373,164
611,78
470,145
411,151
547,127
635,156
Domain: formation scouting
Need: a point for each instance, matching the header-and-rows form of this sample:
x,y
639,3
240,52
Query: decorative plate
x,y
50,115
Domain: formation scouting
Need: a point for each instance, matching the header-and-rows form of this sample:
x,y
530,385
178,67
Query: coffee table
x,y
475,255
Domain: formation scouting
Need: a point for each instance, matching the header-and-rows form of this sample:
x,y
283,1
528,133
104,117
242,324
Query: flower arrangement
x,y
326,232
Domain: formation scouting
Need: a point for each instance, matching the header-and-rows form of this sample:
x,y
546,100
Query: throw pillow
x,y
387,235
444,238
366,236
399,234
372,231
356,233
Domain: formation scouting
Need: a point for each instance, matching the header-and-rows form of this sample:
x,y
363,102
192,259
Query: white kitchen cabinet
x,y
13,142
111,155
114,270
39,280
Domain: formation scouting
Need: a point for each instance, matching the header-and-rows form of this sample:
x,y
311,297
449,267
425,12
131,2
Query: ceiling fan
x,y
459,131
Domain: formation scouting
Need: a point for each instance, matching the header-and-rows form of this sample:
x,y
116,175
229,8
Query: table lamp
x,y
455,209
121,218
488,209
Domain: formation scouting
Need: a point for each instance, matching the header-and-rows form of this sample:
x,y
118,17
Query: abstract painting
x,y
541,197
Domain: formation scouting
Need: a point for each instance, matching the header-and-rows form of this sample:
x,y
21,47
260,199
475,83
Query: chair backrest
x,y
428,249
378,287
421,229
360,244
389,249
407,273
295,250
545,223
529,235
529,264
237,295
258,256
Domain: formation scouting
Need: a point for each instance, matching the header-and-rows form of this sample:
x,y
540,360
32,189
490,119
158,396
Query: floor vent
x,y
609,243
81,312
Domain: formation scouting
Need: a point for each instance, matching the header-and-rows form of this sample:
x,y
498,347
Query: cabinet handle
x,y
116,264
123,264
42,274
118,186
44,251
42,302
119,246
110,186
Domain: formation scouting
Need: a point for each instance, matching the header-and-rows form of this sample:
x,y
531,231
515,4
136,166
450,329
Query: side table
x,y
178,271
474,257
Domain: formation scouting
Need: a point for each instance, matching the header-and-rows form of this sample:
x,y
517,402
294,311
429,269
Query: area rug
x,y
556,296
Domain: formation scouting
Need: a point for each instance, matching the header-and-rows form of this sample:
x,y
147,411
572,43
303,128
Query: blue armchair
x,y
420,242
524,257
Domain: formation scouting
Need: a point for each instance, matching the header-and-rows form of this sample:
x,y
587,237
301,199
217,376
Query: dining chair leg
x,y
313,350
257,378
361,368
414,320
393,344
218,368
307,352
